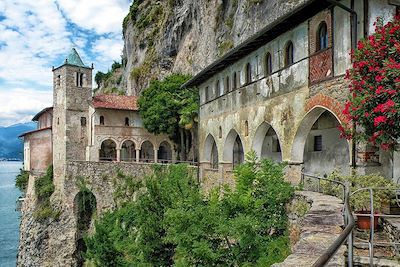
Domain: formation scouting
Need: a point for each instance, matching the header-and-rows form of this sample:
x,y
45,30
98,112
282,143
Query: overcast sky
x,y
36,35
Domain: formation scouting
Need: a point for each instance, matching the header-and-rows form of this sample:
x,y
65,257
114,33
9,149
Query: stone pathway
x,y
318,230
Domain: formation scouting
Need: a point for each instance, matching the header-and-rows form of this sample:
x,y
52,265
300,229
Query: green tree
x,y
172,223
169,109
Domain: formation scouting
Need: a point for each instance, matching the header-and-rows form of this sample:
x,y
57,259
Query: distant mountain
x,y
10,146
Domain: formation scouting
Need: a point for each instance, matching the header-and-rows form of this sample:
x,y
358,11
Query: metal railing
x,y
347,233
348,219
372,214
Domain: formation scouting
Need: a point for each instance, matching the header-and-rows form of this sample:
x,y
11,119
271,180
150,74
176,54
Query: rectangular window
x,y
318,143
83,121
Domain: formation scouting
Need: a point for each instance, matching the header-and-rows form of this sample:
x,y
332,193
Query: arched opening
x,y
227,84
246,128
322,35
84,208
147,152
266,143
128,151
234,80
126,121
164,152
248,73
206,94
101,120
318,145
218,90
289,54
233,149
268,64
211,152
108,151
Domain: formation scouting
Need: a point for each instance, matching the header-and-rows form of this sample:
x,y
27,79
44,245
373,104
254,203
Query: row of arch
x,y
130,152
317,144
289,50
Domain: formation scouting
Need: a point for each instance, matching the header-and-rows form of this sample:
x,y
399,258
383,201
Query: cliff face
x,y
185,36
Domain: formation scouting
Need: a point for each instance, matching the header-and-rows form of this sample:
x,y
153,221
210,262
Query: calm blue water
x,y
9,218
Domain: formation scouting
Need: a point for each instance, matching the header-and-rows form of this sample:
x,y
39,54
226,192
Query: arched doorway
x,y
233,149
147,152
108,151
84,207
164,152
266,143
128,152
211,152
318,145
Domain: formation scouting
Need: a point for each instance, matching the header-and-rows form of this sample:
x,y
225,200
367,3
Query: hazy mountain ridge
x,y
11,147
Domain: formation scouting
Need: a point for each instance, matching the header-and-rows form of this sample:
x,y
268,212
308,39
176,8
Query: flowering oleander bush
x,y
374,99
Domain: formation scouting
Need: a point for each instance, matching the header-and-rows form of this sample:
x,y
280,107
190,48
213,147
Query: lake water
x,y
9,218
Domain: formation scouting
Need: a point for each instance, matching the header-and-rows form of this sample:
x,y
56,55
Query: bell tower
x,y
72,91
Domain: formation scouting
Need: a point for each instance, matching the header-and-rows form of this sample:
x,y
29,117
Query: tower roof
x,y
74,59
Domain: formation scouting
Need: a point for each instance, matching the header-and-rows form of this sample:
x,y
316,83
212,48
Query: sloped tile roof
x,y
121,102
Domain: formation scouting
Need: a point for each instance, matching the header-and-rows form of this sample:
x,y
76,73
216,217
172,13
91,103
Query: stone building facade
x,y
281,92
87,137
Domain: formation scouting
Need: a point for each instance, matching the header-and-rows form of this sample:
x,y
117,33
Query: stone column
x,y
137,155
155,155
118,154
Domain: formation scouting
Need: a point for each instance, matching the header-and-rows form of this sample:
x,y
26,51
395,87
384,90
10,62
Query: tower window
x,y
83,121
318,143
322,35
220,132
58,80
81,79
246,128
248,73
101,120
77,79
289,54
126,121
268,64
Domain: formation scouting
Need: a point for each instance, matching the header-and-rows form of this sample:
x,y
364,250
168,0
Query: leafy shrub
x,y
44,188
173,223
21,180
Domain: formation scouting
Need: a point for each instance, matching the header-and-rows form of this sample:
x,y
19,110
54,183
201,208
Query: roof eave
x,y
266,34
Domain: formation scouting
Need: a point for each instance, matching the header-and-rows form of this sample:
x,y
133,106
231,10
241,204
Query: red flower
x,y
379,119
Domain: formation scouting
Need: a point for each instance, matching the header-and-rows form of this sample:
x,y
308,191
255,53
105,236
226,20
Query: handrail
x,y
348,230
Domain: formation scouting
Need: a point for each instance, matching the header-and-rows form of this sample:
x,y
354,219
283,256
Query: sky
x,y
36,35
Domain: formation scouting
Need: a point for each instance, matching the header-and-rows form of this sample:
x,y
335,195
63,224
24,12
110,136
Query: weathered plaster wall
x,y
45,120
40,150
379,8
341,39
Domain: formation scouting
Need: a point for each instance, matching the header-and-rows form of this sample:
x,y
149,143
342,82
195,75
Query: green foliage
x,y
44,188
106,78
133,9
167,108
21,180
225,46
360,201
172,223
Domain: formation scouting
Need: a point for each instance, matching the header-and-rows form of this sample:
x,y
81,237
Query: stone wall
x,y
53,242
312,233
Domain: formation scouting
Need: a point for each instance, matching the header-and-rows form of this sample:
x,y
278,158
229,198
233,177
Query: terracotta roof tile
x,y
115,102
